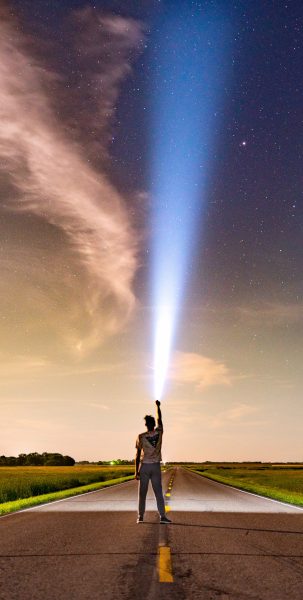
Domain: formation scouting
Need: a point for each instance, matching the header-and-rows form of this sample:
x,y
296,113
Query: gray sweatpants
x,y
151,471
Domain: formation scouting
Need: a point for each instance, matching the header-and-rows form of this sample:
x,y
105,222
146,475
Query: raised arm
x,y
159,415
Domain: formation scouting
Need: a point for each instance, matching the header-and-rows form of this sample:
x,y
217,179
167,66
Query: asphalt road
x,y
223,544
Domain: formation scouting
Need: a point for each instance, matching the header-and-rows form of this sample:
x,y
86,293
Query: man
x,y
148,460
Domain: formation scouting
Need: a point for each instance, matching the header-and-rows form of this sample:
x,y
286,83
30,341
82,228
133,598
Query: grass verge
x,y
25,482
15,505
268,491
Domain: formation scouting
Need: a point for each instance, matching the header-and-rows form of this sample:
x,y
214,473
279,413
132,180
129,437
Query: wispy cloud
x,y
32,368
272,314
105,46
48,176
98,406
200,371
237,413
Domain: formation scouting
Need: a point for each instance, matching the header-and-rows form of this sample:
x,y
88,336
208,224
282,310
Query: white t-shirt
x,y
150,444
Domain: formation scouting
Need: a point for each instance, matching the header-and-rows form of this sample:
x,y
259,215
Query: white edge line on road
x,y
251,493
37,506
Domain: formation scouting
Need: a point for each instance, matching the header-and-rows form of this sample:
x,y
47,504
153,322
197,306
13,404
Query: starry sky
x,y
76,316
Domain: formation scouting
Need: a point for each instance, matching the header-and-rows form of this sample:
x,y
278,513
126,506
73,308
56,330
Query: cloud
x,y
272,314
235,414
106,45
238,414
98,406
48,176
238,411
23,366
28,368
200,371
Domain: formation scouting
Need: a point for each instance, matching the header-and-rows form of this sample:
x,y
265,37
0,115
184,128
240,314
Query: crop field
x,y
279,481
24,482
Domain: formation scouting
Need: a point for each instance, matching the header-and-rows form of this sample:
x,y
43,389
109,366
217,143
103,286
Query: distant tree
x,y
34,459
69,461
54,459
21,459
11,461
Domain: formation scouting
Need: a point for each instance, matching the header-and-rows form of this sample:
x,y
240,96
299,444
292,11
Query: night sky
x,y
78,85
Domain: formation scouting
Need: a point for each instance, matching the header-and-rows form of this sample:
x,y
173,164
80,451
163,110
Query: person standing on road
x,y
148,467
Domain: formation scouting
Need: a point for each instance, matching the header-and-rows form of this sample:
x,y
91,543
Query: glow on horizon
x,y
187,76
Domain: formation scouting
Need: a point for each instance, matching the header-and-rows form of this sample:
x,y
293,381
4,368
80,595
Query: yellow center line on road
x,y
165,570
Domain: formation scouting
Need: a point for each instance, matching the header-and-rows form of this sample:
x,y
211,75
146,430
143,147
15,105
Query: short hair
x,y
149,422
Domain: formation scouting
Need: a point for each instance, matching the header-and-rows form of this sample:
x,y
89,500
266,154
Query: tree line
x,y
34,459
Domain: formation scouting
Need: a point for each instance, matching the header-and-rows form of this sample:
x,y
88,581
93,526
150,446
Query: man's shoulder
x,y
148,433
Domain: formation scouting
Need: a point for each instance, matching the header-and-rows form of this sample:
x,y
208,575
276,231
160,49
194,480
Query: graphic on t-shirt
x,y
153,440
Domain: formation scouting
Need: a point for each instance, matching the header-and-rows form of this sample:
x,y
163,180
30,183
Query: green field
x,y
20,485
279,481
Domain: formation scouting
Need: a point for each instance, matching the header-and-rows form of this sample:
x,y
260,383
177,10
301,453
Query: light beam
x,y
187,76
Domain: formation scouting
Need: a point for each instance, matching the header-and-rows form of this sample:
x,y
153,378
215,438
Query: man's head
x,y
149,422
